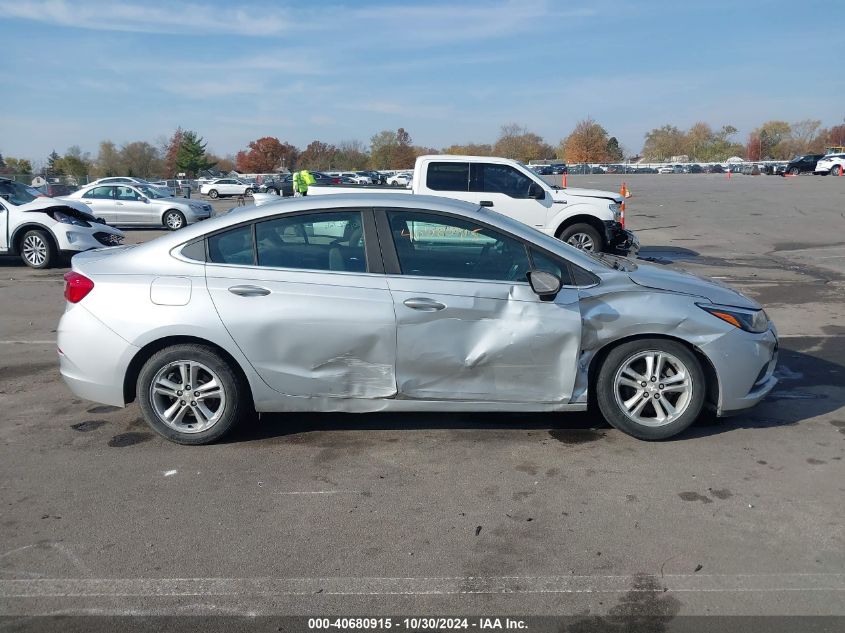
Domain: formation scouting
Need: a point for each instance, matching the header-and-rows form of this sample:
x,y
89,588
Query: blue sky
x,y
76,73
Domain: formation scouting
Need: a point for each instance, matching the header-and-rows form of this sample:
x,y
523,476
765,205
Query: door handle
x,y
249,291
424,304
486,203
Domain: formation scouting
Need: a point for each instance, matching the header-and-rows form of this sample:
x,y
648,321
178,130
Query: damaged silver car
x,y
360,303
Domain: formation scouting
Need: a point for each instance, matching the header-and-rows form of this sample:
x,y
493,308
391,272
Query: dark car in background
x,y
802,164
281,186
54,190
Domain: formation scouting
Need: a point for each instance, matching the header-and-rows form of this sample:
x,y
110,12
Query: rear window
x,y
448,176
232,247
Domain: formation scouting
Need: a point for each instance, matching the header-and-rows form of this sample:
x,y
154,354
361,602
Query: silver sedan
x,y
141,205
398,303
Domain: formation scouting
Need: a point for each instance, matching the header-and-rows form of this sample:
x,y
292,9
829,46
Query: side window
x,y
331,240
126,193
448,176
431,245
232,247
505,179
550,264
100,193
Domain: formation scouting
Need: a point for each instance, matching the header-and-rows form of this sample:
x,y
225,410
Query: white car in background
x,y
41,229
359,179
833,164
402,179
141,205
227,187
128,180
668,169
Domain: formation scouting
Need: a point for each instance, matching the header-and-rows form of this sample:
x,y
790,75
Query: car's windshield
x,y
17,193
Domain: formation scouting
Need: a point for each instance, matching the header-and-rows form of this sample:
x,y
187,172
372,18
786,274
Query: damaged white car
x,y
42,229
362,303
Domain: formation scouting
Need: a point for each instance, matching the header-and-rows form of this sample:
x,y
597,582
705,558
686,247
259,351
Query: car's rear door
x,y
305,299
469,326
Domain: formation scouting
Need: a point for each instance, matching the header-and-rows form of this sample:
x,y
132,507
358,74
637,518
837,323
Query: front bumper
x,y
745,365
620,241
73,239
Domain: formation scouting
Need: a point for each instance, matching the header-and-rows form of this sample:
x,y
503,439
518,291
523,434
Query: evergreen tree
x,y
54,164
191,158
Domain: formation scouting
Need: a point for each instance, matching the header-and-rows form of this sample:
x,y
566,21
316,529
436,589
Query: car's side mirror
x,y
536,191
545,285
143,199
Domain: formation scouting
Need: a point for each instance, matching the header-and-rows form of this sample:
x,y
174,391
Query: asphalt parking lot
x,y
445,514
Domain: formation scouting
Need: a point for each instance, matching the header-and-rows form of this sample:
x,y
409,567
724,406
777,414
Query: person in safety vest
x,y
296,179
305,180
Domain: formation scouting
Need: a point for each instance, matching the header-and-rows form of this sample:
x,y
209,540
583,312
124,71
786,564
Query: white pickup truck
x,y
586,218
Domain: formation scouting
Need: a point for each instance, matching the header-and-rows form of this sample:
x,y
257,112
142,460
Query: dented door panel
x,y
315,333
492,341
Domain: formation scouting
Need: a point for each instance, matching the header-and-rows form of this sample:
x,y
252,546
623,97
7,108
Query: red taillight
x,y
77,287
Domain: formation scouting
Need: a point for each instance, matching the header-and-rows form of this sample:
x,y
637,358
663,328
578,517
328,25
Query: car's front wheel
x,y
37,249
582,236
836,170
651,388
190,394
173,220
794,171
275,192
248,193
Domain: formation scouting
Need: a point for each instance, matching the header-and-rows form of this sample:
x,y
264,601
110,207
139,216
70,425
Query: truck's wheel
x,y
582,236
37,249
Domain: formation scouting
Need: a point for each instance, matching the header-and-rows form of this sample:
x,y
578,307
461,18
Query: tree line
x,y
186,152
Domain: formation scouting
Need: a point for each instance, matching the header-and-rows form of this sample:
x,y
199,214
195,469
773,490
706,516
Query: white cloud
x,y
174,18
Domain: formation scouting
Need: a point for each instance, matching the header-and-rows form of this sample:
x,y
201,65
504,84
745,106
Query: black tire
x,y
836,170
173,220
237,406
581,233
395,184
794,171
274,191
38,250
614,412
213,193
248,193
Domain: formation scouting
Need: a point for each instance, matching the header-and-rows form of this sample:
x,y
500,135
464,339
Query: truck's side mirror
x,y
536,191
544,284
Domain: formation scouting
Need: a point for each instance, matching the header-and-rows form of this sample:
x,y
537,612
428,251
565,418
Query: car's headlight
x,y
755,321
616,210
64,218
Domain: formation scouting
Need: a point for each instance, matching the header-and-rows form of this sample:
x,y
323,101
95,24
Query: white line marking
x,y
170,473
320,492
162,587
28,342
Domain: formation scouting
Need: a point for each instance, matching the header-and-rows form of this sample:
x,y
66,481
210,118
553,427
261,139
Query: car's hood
x,y
40,204
585,193
659,278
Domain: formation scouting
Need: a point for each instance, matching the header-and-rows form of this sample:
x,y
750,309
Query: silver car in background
x,y
141,205
363,303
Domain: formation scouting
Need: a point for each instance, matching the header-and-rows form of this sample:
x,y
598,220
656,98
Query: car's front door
x,y
304,298
469,326
132,208
102,203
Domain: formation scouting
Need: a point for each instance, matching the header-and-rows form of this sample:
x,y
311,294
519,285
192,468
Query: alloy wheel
x,y
34,250
173,221
187,396
582,241
653,388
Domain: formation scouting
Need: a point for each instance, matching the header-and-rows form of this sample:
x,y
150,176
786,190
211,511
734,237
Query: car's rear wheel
x,y
248,192
190,394
836,170
37,249
582,236
213,193
173,220
275,192
651,388
794,171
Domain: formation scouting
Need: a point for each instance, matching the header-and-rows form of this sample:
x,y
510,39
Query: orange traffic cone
x,y
564,180
624,191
